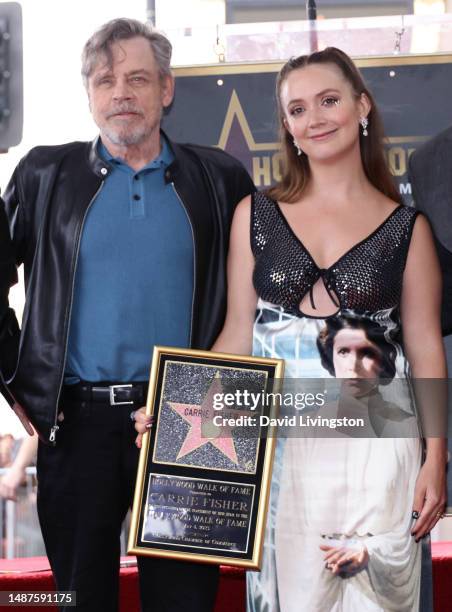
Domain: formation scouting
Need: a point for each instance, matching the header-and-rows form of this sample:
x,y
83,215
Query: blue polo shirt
x,y
134,278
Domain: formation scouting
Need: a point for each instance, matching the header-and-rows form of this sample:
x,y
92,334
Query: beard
x,y
126,136
126,133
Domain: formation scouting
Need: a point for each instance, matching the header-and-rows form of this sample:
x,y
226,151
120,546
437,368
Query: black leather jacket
x,y
46,203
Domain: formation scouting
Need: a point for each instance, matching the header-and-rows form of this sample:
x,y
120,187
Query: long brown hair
x,y
296,171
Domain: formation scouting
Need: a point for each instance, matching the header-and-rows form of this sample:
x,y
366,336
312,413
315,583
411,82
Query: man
x,y
430,173
430,170
124,243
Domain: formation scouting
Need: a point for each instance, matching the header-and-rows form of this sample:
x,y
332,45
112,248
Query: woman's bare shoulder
x,y
384,204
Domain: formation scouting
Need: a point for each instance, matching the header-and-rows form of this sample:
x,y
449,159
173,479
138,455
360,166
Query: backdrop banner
x,y
233,107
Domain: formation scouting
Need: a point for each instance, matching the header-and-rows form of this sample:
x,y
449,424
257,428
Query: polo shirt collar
x,y
163,160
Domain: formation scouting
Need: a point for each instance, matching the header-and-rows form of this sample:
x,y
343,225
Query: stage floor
x,y
33,574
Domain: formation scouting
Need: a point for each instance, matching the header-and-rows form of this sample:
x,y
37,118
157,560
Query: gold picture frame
x,y
204,471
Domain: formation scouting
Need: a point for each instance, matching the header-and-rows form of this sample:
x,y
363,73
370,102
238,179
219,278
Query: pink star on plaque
x,y
202,415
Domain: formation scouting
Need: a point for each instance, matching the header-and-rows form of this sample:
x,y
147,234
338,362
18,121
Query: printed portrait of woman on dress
x,y
361,355
325,271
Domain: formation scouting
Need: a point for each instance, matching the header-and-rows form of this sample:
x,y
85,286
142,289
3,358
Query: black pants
x,y
85,487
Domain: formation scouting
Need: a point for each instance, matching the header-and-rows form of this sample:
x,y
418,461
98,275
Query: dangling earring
x,y
364,121
297,146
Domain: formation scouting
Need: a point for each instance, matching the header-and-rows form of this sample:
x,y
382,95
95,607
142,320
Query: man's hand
x,y
17,471
10,481
143,423
21,415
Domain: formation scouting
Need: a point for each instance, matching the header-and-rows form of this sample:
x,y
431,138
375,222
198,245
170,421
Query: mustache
x,y
124,108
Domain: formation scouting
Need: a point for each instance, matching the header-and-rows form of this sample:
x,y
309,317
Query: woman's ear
x,y
364,105
286,127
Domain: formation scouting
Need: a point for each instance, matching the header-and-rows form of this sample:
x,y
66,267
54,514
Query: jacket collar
x,y
98,165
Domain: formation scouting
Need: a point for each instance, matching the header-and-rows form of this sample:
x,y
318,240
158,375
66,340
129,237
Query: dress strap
x,y
264,221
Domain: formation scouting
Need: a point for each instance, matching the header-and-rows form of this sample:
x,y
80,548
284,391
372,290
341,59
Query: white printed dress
x,y
341,490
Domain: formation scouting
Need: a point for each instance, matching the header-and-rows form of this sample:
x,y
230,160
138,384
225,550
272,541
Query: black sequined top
x,y
368,277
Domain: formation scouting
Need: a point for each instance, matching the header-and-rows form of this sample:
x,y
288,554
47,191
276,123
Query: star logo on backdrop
x,y
237,138
202,428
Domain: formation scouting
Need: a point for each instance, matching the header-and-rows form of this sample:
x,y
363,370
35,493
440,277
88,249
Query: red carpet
x,y
33,574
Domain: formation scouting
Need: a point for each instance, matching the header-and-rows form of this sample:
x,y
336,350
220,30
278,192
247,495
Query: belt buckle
x,y
113,401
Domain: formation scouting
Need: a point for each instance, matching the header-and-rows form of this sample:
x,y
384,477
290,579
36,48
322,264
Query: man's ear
x,y
88,96
167,90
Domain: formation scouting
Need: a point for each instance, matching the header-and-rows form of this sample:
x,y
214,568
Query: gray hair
x,y
123,29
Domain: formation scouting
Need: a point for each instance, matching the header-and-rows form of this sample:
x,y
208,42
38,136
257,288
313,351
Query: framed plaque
x,y
205,466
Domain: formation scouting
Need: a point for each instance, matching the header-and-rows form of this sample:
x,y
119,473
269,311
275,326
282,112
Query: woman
x,y
330,238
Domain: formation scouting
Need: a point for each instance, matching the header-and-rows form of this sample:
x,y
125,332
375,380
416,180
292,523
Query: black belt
x,y
115,395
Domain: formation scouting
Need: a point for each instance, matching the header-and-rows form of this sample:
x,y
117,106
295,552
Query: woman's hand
x,y
429,496
143,423
345,560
